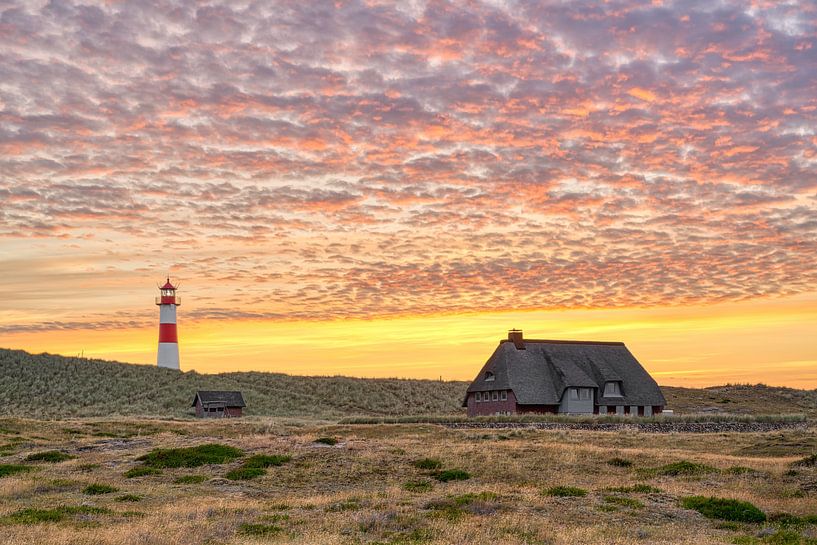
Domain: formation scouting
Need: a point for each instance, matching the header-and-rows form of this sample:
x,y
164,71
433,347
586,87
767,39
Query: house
x,y
211,404
576,377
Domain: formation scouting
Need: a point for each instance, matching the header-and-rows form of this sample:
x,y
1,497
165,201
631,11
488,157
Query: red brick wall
x,y
484,408
537,409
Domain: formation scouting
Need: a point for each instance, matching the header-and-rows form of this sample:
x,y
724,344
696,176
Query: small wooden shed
x,y
218,404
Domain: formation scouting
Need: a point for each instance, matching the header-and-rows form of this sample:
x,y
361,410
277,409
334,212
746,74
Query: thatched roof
x,y
229,399
542,370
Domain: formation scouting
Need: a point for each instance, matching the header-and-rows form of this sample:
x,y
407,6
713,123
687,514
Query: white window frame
x,y
503,395
616,387
494,396
584,394
573,394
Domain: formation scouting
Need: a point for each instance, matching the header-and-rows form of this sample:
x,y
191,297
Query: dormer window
x,y
489,376
612,389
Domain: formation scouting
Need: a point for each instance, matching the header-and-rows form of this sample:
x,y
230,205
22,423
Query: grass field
x,y
264,480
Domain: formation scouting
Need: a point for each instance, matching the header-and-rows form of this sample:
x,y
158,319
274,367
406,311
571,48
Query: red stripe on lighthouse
x,y
167,333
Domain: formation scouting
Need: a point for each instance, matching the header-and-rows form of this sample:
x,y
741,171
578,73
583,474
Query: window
x,y
489,376
574,393
612,389
584,393
478,397
503,395
494,396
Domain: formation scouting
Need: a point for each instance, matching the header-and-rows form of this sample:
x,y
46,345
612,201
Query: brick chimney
x,y
515,335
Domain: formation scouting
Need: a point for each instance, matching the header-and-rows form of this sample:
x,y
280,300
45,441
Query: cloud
x,y
366,159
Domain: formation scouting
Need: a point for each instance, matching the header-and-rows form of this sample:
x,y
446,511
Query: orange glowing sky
x,y
383,189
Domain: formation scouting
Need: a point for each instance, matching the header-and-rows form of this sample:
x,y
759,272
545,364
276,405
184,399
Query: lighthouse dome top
x,y
168,286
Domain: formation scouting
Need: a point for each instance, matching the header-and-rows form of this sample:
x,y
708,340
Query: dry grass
x,y
355,491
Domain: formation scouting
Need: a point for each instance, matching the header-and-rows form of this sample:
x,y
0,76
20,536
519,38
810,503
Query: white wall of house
x,y
577,401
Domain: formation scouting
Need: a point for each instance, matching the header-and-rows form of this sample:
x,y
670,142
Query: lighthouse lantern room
x,y
168,355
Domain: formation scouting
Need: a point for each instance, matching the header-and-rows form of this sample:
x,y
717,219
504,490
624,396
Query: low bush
x,y
129,498
97,489
684,468
428,464
190,479
267,460
453,507
259,530
565,491
623,501
331,441
635,489
740,470
12,469
141,471
190,456
418,486
724,509
808,461
50,456
245,473
31,515
619,462
452,475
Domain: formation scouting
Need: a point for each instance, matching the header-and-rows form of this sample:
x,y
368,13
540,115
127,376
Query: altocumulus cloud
x,y
361,158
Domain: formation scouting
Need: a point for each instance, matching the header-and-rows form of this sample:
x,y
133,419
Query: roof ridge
x,y
551,341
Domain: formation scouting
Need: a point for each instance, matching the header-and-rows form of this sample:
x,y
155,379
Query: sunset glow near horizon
x,y
383,189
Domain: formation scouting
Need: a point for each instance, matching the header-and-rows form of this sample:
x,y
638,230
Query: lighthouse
x,y
168,339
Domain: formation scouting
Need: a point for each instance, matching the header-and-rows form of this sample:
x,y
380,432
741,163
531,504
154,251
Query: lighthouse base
x,y
168,356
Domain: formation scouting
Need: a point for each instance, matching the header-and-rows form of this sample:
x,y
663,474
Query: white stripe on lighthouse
x,y
168,355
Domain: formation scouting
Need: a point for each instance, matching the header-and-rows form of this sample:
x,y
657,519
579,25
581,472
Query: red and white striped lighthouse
x,y
168,338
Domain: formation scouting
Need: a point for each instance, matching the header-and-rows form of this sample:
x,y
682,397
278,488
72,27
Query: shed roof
x,y
540,372
230,399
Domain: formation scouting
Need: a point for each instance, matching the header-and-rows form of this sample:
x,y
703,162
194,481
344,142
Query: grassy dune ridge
x,y
51,386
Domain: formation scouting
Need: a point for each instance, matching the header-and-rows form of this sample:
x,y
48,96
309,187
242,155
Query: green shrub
x,y
12,469
31,515
50,456
97,489
452,475
724,509
141,471
190,456
619,462
35,516
349,504
245,473
565,491
260,530
331,441
453,507
190,479
684,467
129,498
265,460
428,464
623,502
635,489
740,470
418,486
808,461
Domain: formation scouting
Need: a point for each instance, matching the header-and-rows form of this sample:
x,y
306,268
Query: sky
x,y
384,189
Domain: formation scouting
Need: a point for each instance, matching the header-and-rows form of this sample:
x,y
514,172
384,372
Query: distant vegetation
x,y
50,386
